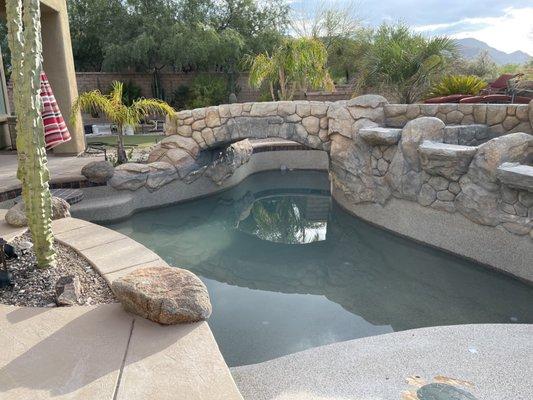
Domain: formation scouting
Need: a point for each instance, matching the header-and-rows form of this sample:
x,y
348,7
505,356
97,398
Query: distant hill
x,y
471,48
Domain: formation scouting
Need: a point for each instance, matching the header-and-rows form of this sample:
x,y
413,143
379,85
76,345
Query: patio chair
x,y
502,85
502,90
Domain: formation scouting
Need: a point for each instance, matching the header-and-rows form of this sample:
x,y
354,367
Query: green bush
x,y
208,90
458,84
180,97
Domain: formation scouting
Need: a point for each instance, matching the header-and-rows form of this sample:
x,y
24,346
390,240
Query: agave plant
x,y
117,112
458,84
295,65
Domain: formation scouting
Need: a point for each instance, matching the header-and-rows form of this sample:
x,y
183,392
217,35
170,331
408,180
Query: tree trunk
x,y
122,158
282,84
26,49
271,87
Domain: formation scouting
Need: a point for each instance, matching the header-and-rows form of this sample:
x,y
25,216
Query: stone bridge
x,y
309,123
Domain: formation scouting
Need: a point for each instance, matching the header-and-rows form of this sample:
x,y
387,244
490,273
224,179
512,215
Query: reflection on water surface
x,y
288,270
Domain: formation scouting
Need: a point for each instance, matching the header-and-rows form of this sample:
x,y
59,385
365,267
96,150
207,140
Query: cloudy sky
x,y
504,24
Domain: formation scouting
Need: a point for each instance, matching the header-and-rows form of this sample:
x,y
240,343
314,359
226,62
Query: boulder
x,y
163,294
516,175
380,136
414,133
130,176
477,204
448,160
68,291
181,142
234,156
98,171
514,148
60,208
16,216
160,174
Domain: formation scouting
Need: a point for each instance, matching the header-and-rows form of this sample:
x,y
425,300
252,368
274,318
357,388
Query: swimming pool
x,y
287,269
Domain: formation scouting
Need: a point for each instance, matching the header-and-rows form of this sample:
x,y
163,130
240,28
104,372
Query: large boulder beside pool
x,y
165,295
16,216
98,171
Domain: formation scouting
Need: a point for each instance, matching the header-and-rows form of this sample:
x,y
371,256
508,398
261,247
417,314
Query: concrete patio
x,y
62,169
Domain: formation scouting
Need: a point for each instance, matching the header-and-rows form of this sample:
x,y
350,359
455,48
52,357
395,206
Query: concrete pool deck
x,y
62,169
103,352
496,359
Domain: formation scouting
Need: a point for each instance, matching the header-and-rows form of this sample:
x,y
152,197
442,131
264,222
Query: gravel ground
x,y
36,287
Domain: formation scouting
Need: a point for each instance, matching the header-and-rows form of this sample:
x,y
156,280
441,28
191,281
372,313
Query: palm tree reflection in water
x,y
288,219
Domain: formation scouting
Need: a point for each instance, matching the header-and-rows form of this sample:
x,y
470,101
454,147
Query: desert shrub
x,y
458,84
208,90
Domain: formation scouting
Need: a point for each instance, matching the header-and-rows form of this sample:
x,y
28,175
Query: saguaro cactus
x,y
24,36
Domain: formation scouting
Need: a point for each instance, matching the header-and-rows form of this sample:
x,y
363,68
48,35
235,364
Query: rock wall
x,y
500,118
490,184
476,160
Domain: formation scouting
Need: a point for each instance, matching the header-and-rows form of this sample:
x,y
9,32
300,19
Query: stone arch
x,y
300,121
313,124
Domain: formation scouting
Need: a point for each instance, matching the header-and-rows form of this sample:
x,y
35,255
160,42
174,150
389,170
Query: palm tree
x,y
117,112
295,65
24,37
403,61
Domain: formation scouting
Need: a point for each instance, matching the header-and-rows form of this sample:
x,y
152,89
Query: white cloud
x,y
509,32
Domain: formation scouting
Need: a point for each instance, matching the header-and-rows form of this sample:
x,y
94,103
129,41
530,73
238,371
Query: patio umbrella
x,y
55,129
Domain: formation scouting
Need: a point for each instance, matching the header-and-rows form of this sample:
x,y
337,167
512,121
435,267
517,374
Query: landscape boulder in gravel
x,y
165,295
16,216
98,171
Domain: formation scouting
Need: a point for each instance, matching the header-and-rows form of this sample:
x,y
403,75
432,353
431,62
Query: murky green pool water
x,y
288,270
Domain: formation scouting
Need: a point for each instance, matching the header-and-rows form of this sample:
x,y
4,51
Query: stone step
x,y
381,136
447,160
515,175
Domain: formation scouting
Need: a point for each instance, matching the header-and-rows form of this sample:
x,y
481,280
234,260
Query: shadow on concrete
x,y
22,314
88,350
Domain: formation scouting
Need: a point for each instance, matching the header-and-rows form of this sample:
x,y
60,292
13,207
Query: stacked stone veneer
x,y
500,118
463,159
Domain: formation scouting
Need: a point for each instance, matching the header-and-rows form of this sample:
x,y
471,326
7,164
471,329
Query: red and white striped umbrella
x,y
55,129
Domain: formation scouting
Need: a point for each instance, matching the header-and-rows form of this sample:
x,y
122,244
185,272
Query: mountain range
x,y
471,48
